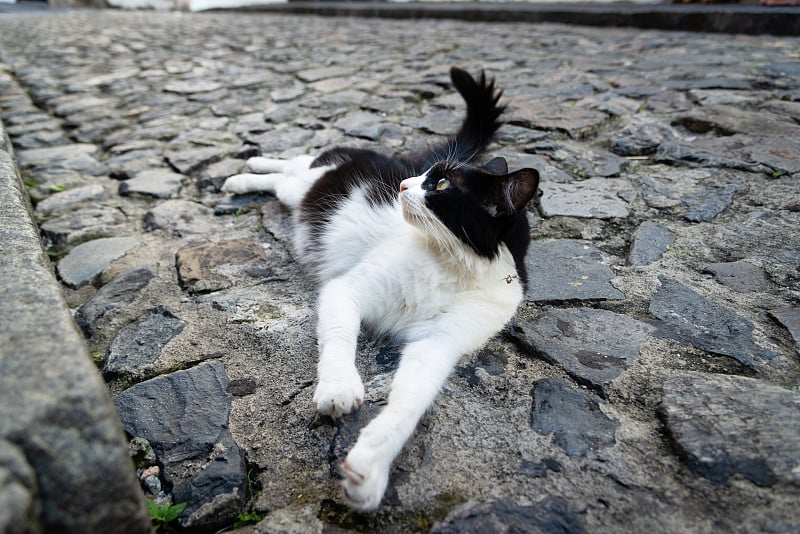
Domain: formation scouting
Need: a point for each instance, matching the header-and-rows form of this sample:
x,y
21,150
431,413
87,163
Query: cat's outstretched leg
x,y
424,367
289,179
339,387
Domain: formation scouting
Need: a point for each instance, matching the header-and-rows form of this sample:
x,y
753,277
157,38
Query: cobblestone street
x,y
649,383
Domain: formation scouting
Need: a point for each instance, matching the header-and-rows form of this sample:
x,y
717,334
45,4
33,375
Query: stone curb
x,y
64,463
719,18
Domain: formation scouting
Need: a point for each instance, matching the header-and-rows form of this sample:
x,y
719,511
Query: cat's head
x,y
476,205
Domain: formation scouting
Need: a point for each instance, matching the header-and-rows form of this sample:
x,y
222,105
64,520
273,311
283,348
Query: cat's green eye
x,y
442,184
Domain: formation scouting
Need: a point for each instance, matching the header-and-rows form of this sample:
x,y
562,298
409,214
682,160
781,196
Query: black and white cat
x,y
427,248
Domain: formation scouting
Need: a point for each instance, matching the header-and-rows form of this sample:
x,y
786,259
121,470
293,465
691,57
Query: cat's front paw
x,y
366,475
237,185
339,396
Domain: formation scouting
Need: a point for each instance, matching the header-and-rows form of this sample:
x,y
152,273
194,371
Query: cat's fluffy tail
x,y
479,126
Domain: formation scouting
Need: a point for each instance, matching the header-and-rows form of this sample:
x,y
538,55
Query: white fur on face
x,y
412,199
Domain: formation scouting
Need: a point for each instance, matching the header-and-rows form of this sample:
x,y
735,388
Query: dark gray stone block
x,y
790,319
184,416
649,243
691,318
137,346
111,297
573,417
731,426
741,276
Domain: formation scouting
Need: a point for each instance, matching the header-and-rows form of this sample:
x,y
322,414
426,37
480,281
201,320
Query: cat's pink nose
x,y
403,186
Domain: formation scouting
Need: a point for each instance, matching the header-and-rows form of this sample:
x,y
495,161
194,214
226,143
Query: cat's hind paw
x,y
365,478
262,165
340,396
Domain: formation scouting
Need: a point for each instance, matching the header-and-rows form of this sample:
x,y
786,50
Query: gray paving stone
x,y
729,427
574,418
137,346
598,198
79,225
74,157
693,319
82,265
568,270
650,242
192,87
280,96
541,114
368,126
278,141
111,299
321,73
180,217
64,200
641,136
700,195
593,346
159,183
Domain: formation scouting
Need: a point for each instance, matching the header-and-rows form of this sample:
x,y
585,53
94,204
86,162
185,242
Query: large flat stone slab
x,y
568,270
729,427
64,464
597,198
593,346
689,317
159,183
700,195
207,266
78,158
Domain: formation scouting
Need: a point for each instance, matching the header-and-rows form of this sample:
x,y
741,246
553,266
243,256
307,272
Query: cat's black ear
x,y
497,166
518,188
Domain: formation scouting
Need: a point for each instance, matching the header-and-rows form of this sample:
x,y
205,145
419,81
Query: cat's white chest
x,y
407,286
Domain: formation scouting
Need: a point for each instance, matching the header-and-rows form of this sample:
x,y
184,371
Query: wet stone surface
x,y
663,265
